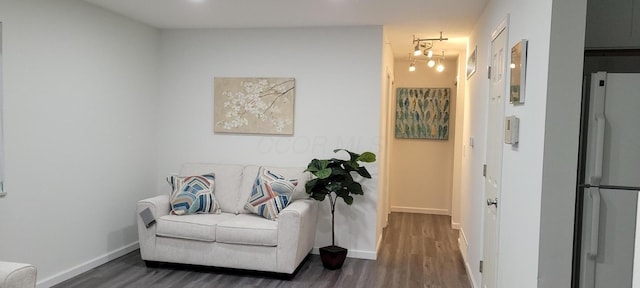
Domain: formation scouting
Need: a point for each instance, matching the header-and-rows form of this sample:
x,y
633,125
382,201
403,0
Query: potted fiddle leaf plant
x,y
333,180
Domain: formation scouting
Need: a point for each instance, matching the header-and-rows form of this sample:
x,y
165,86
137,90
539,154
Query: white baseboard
x,y
464,239
420,210
464,245
360,254
455,226
86,266
379,244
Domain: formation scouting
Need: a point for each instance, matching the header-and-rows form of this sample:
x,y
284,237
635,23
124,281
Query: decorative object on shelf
x,y
333,180
518,72
254,105
423,113
424,46
471,62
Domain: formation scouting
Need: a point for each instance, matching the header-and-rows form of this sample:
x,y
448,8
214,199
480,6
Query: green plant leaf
x,y
367,157
323,174
353,156
353,164
310,185
313,166
355,188
347,180
364,172
319,197
348,200
316,165
339,171
334,186
342,193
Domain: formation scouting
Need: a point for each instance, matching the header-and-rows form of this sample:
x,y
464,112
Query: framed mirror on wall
x,y
518,72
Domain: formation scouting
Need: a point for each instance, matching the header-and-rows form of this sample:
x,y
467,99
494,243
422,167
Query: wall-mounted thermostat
x,y
511,124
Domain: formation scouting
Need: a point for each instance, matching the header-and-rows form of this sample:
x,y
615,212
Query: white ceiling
x,y
401,18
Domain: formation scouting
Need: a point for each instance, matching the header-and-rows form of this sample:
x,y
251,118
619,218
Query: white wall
x,y
337,105
387,80
80,86
421,172
522,166
459,141
564,91
542,137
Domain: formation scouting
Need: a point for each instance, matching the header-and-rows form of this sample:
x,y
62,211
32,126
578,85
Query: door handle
x,y
596,176
492,202
595,222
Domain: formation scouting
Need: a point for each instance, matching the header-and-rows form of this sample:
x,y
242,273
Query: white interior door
x,y
493,176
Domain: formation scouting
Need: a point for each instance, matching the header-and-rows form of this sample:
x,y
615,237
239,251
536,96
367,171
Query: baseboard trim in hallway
x,y
463,246
433,211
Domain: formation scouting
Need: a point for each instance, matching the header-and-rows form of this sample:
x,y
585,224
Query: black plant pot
x,y
333,256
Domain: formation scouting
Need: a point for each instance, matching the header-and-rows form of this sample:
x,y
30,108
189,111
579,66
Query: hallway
x,y
420,250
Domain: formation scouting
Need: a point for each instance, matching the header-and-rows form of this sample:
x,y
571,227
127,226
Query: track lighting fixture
x,y
428,53
417,51
424,46
440,67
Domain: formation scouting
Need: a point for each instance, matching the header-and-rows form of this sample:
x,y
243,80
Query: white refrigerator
x,y
611,183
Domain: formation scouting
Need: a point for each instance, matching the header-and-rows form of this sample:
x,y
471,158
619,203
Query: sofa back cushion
x,y
251,172
228,182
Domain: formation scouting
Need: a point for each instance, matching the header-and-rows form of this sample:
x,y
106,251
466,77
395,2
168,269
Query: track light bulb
x,y
416,50
440,67
430,54
412,67
431,63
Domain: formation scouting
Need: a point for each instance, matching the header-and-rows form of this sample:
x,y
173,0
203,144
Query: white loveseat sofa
x,y
234,238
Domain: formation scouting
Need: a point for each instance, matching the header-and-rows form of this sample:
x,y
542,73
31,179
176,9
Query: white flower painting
x,y
253,105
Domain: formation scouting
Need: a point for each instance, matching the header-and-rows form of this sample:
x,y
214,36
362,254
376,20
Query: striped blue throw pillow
x,y
270,194
193,194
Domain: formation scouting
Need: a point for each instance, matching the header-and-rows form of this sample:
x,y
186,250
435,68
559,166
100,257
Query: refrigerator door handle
x,y
595,222
601,121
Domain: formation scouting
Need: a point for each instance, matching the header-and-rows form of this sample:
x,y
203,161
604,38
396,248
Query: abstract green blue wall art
x,y
423,113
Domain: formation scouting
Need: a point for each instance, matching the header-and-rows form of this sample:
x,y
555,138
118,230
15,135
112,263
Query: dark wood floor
x,y
417,251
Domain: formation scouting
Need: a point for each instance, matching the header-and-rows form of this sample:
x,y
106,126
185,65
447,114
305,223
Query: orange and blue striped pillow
x,y
270,194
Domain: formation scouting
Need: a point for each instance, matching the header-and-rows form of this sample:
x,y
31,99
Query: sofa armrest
x,y
17,275
296,233
159,206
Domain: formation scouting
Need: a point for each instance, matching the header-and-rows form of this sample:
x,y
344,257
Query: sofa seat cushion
x,y
199,227
248,229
